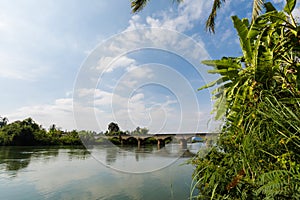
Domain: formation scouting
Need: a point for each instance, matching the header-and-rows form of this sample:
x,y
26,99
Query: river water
x,y
101,172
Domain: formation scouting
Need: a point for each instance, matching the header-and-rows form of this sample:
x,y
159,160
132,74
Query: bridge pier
x,y
160,138
183,143
160,143
121,140
139,143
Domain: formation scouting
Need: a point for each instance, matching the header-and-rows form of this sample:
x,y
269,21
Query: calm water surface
x,y
102,172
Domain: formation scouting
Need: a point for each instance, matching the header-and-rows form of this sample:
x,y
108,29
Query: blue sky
x,y
82,64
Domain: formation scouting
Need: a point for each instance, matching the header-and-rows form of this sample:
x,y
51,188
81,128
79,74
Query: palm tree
x,y
3,121
138,5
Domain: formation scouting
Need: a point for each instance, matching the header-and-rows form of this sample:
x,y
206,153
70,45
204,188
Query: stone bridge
x,y
160,138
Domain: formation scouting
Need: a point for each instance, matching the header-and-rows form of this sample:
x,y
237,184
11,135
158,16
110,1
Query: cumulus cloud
x,y
60,112
109,64
113,86
128,102
183,19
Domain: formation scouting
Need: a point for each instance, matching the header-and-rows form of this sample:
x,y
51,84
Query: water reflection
x,y
78,153
13,160
73,173
111,155
17,158
133,159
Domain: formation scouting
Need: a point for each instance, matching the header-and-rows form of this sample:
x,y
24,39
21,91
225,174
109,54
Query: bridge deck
x,y
161,135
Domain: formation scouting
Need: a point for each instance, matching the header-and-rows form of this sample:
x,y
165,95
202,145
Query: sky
x,y
83,64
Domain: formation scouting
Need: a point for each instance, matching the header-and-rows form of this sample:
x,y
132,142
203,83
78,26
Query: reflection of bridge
x,y
161,138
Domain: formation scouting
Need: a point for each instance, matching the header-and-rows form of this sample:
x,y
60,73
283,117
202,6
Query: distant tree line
x,y
114,129
29,133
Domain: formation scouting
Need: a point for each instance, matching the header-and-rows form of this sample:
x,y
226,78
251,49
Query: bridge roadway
x,y
161,137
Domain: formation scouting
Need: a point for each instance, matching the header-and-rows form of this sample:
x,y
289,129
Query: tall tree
x,y
138,5
113,128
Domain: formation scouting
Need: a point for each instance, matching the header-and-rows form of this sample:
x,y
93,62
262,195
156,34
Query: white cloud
x,y
188,13
135,23
88,92
113,101
59,112
136,97
94,107
182,20
109,64
139,72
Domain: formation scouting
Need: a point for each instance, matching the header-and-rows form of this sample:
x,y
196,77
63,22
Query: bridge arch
x,y
130,140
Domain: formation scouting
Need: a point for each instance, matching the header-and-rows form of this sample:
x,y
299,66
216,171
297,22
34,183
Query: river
x,y
101,172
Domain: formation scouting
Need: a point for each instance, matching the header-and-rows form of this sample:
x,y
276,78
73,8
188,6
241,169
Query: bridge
x,y
161,138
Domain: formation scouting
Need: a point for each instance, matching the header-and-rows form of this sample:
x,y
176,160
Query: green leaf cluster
x,y
29,133
257,95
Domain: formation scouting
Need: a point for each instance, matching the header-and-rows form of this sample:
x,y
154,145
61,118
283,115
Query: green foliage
x,y
115,140
290,5
150,140
140,131
257,153
3,121
257,8
29,133
87,137
113,129
70,138
115,133
210,23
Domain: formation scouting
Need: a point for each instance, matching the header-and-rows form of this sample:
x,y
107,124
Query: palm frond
x,y
138,5
210,23
257,7
177,1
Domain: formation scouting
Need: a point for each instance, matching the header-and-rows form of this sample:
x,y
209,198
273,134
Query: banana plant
x,y
270,60
257,95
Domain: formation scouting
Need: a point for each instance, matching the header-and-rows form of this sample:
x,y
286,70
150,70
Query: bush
x,y
257,153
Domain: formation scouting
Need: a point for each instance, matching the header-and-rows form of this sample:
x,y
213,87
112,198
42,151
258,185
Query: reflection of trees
x,y
113,152
45,154
143,152
17,158
14,158
78,154
137,157
111,155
